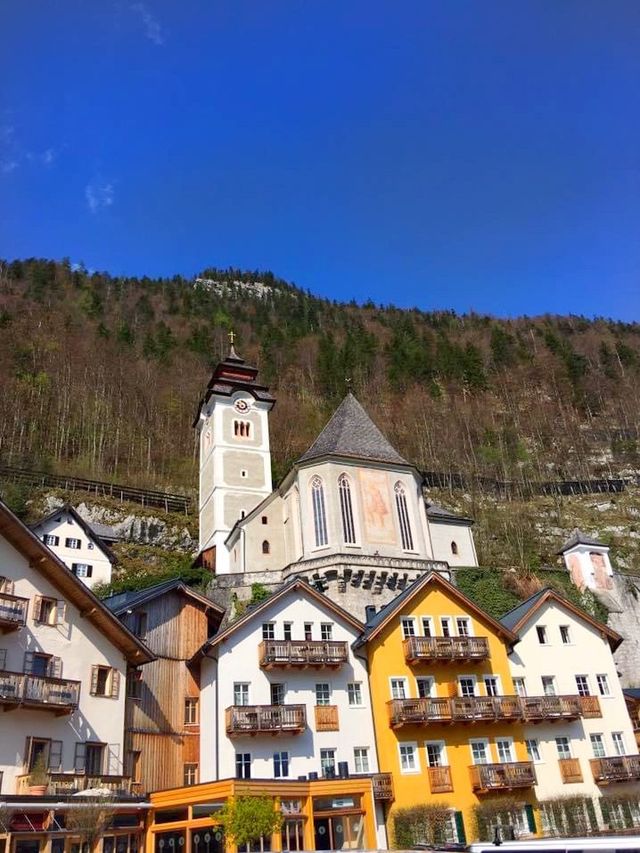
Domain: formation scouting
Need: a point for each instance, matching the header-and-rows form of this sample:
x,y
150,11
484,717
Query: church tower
x,y
235,459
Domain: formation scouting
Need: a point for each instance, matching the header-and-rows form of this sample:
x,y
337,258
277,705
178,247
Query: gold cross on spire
x,y
232,337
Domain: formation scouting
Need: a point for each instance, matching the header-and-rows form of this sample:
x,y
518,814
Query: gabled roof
x,y
294,584
577,537
123,601
350,432
43,560
84,525
386,613
516,619
445,516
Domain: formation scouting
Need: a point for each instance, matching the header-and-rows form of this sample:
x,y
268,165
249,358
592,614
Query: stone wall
x,y
623,603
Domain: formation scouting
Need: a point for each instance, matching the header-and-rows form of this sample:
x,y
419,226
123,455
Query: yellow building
x,y
449,727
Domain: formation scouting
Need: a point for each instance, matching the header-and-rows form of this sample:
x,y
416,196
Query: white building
x,y
63,665
79,547
564,653
588,562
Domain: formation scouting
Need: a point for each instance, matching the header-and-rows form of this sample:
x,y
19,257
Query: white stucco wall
x,y
238,661
588,654
442,537
80,646
64,527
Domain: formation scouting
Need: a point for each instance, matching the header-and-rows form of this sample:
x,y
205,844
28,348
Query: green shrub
x,y
422,824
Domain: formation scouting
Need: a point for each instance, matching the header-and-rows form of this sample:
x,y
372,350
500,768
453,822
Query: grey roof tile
x,y
577,537
511,619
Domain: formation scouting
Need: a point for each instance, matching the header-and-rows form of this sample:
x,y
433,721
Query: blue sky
x,y
467,154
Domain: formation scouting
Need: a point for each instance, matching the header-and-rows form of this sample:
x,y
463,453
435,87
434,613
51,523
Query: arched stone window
x,y
454,547
319,512
346,510
266,548
403,517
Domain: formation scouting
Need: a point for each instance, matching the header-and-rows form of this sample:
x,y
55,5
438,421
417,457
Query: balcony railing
x,y
469,709
13,612
445,649
58,695
382,786
61,784
302,653
502,777
327,718
440,780
616,768
570,770
265,719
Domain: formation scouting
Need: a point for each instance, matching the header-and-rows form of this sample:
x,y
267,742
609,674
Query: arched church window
x,y
454,547
403,517
346,510
266,548
319,512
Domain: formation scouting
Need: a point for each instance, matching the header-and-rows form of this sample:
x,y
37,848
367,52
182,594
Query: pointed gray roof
x,y
579,538
352,433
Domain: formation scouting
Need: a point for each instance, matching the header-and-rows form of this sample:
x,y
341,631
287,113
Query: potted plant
x,y
39,777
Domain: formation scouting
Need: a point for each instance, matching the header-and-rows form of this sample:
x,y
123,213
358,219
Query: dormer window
x,y
242,429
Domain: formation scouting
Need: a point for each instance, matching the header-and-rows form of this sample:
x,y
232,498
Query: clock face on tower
x,y
241,406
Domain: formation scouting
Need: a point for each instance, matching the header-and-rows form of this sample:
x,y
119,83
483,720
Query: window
x,y
308,631
618,743
190,774
435,753
140,623
74,544
467,685
328,762
190,711
268,630
403,517
242,429
48,751
48,611
280,765
240,693
346,510
94,758
286,630
326,630
361,759
565,635
454,547
425,687
541,631
319,513
533,750
354,691
479,751
105,681
445,625
492,685
51,540
134,683
42,666
582,683
398,688
82,570
603,685
426,626
408,758
243,765
323,694
266,548
564,747
549,685
463,626
278,692
408,627
520,686
264,519
505,750
3,663
597,746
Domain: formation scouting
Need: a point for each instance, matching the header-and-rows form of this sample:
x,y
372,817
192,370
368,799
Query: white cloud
x,y
152,28
7,166
98,195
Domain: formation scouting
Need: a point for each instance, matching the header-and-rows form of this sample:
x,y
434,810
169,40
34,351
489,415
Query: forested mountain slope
x,y
100,376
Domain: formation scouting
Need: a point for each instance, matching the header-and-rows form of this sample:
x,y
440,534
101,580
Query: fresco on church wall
x,y
575,570
376,508
601,577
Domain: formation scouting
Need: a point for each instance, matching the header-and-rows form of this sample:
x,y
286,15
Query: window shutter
x,y
79,760
61,609
27,752
531,820
606,812
115,683
94,680
89,571
27,667
55,756
114,765
3,658
462,835
7,585
55,667
37,607
56,540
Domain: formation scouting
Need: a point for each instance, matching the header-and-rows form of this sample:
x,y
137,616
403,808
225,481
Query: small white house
x,y
79,547
63,666
587,561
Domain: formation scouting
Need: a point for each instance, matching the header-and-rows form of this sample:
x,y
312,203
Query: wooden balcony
x,y
57,695
502,777
382,786
302,653
570,770
616,768
445,649
471,709
13,612
590,706
546,709
265,719
440,780
63,784
403,712
327,718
